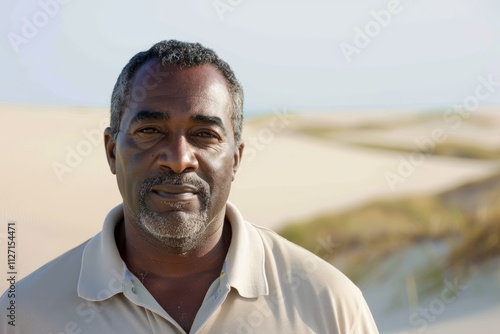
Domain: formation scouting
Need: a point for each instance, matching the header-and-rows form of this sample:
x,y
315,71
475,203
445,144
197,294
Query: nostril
x,y
178,156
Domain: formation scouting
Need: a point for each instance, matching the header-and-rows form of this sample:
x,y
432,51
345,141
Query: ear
x,y
238,153
110,146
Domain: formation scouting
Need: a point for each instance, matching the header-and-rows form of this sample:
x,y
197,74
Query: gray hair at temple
x,y
181,54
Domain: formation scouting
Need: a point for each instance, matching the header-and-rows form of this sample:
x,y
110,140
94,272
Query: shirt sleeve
x,y
362,322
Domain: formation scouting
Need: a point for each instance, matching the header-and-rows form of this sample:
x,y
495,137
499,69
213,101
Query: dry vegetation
x,y
462,223
466,218
448,148
419,242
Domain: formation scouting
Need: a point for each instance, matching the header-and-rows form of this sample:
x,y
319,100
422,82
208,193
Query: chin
x,y
175,224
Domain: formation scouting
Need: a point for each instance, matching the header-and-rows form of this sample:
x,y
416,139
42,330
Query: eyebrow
x,y
145,115
209,120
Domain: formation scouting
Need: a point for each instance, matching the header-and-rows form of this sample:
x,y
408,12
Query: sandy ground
x,y
460,304
287,177
57,187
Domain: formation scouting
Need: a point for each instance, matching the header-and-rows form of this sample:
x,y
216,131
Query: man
x,y
176,257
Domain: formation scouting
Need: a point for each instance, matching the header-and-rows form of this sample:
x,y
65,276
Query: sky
x,y
299,55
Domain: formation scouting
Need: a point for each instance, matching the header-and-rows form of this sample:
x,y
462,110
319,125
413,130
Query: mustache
x,y
171,178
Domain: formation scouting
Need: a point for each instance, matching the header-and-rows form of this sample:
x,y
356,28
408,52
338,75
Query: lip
x,y
170,192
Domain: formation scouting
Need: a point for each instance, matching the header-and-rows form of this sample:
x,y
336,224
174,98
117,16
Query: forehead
x,y
201,86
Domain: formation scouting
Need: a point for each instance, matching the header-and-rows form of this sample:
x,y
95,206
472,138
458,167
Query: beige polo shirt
x,y
267,285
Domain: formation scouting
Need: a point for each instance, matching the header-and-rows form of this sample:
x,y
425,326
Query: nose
x,y
178,156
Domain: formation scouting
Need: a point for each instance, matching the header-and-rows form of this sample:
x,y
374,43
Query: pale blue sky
x,y
286,53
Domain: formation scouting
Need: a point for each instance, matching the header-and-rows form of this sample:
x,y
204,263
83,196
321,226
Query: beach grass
x,y
466,219
447,149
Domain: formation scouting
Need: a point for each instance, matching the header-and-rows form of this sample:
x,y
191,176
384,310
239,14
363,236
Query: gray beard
x,y
183,230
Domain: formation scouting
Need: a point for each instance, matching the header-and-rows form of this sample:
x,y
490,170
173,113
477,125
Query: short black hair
x,y
183,54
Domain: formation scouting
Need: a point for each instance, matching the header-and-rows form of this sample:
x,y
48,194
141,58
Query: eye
x,y
206,134
148,130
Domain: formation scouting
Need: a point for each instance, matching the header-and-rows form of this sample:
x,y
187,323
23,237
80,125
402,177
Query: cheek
x,y
128,174
121,176
219,172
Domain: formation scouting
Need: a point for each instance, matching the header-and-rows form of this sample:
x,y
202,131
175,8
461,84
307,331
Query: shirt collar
x,y
246,257
103,273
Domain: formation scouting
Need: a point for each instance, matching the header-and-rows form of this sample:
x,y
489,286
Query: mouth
x,y
175,193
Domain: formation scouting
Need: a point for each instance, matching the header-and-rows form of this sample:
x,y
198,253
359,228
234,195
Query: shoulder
x,y
288,258
61,270
49,290
314,288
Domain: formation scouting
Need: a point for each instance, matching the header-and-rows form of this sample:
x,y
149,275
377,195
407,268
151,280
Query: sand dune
x,y
292,176
57,186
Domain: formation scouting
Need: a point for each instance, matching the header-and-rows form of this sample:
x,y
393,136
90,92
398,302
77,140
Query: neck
x,y
145,257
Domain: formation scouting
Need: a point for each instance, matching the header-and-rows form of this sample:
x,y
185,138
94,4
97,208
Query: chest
x,y
181,298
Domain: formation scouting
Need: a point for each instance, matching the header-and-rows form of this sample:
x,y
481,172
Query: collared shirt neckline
x,y
103,273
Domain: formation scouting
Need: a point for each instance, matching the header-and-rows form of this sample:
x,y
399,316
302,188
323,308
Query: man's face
x,y
175,156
